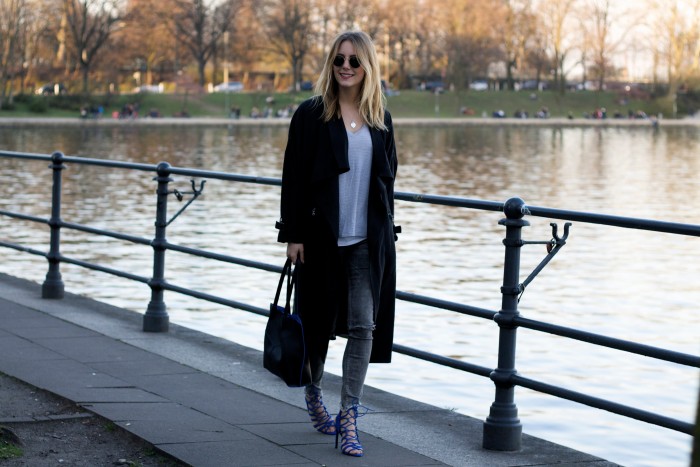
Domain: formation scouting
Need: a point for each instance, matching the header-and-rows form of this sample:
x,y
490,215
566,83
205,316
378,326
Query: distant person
x,y
337,218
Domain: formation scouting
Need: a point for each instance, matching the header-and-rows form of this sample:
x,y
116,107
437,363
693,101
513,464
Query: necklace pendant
x,y
353,124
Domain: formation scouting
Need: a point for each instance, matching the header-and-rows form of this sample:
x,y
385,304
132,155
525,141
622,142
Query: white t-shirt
x,y
354,188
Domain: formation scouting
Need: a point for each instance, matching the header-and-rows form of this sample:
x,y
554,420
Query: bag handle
x,y
291,279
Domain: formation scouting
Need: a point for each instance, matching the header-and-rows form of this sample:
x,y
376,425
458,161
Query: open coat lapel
x,y
380,162
339,144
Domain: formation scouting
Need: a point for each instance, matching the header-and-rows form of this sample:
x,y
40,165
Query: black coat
x,y
316,153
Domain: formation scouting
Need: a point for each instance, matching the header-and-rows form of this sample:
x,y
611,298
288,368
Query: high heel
x,y
346,428
322,420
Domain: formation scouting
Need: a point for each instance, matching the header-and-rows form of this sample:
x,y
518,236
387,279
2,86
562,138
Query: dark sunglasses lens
x,y
339,60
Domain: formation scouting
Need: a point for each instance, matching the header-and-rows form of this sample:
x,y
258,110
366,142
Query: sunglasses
x,y
339,60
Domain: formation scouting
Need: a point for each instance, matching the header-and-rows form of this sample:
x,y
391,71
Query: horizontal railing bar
x,y
440,360
225,176
81,160
610,342
587,217
215,299
449,201
96,267
109,163
603,404
25,155
106,233
24,217
24,249
446,305
223,258
616,221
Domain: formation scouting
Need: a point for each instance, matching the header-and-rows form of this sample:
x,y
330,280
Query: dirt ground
x,y
52,431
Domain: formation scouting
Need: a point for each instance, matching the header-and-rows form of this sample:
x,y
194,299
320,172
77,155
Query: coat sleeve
x,y
293,173
390,149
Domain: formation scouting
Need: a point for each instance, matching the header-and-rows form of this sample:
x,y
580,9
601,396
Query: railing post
x,y
53,286
156,318
502,428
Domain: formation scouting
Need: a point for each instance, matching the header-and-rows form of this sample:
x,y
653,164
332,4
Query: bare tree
x,y
12,16
515,34
90,24
148,40
431,37
346,15
556,16
355,14
200,25
600,45
289,31
471,42
676,28
34,28
402,29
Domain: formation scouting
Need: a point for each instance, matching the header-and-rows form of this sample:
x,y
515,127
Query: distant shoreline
x,y
212,121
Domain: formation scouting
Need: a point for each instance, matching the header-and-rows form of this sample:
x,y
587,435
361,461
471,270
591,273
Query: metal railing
x,y
502,427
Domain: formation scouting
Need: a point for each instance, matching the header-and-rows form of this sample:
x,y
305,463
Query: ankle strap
x,y
359,410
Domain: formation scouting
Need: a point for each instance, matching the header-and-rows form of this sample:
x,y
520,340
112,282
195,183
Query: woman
x,y
337,218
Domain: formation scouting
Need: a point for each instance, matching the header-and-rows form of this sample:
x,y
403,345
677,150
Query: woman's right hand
x,y
295,251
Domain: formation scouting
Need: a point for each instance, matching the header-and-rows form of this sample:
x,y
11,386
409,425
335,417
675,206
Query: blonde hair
x,y
371,99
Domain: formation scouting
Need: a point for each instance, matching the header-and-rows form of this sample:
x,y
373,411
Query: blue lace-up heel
x,y
346,428
322,420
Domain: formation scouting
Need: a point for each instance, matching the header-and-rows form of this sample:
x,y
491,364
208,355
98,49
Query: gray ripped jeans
x,y
355,261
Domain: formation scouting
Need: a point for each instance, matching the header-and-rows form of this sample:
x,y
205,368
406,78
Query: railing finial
x,y
515,208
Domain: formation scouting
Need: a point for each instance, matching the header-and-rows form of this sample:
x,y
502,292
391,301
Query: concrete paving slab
x,y
289,433
167,423
207,430
247,453
149,366
116,395
16,349
93,349
213,395
10,309
58,330
27,322
55,374
383,453
166,412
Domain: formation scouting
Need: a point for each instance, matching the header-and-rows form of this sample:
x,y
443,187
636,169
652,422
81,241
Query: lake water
x,y
633,285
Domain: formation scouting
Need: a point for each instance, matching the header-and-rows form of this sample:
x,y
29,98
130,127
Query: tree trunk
x,y
86,76
201,64
509,75
295,75
3,85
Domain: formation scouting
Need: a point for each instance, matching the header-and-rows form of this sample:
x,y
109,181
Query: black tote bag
x,y
284,351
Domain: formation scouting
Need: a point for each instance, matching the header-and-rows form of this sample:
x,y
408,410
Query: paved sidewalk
x,y
208,402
